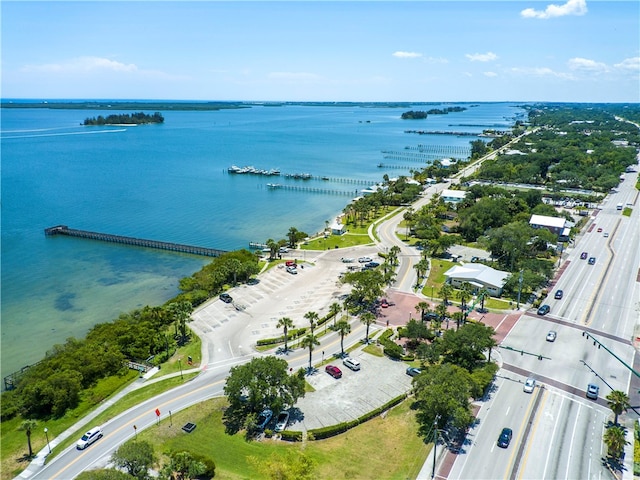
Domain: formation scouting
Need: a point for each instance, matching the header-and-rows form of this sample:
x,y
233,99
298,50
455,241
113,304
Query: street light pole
x,y
46,434
180,365
435,442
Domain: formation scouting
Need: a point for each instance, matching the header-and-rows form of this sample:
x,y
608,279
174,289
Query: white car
x,y
88,438
352,363
282,421
365,260
292,270
551,336
529,385
347,260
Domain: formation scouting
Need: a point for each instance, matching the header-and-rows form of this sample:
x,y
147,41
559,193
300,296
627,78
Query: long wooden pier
x,y
138,242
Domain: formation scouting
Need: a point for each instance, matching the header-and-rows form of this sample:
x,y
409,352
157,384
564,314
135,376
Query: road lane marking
x,y
575,425
553,436
136,421
527,418
533,431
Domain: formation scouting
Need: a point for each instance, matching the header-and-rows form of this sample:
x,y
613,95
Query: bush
x,y
289,436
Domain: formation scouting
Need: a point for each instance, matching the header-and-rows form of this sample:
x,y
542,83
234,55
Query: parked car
x,y
505,437
352,363
544,309
413,371
291,263
226,298
551,336
364,260
558,295
529,385
592,260
474,259
592,391
264,418
292,270
334,371
583,255
347,260
88,438
282,421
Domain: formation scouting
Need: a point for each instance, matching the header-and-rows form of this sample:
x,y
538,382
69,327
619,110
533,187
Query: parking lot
x,y
378,381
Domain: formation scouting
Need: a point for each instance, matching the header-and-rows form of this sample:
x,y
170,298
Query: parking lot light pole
x,y
46,434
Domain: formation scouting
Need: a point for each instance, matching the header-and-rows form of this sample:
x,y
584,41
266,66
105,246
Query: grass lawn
x,y
338,241
386,447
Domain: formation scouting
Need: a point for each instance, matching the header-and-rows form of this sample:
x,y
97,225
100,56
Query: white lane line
x,y
573,436
553,436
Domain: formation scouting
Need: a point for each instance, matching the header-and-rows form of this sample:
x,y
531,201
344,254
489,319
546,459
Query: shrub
x,y
290,436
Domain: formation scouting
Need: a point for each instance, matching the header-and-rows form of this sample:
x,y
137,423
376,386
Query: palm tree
x,y
285,323
408,218
367,318
393,255
343,328
310,342
421,308
313,319
618,403
272,245
445,292
464,294
614,439
334,310
482,296
27,426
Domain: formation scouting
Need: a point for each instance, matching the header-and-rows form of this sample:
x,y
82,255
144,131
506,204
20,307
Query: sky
x,y
359,51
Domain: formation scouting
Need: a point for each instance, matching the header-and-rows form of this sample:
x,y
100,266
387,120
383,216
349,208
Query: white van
x,y
352,363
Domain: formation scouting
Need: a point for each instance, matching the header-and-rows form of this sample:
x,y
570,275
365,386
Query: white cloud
x,y
83,64
584,64
572,7
490,74
629,64
482,57
401,54
539,72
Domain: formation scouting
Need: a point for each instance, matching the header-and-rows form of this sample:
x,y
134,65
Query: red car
x,y
334,371
599,230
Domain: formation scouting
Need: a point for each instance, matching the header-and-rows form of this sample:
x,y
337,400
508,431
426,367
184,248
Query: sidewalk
x,y
39,460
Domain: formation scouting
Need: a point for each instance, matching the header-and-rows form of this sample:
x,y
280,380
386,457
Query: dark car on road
x,y
544,309
558,294
226,298
505,437
334,371
592,260
584,255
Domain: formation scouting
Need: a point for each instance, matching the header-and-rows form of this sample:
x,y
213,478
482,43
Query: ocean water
x,y
170,182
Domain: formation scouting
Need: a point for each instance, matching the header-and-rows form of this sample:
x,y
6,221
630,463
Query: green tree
x,y
263,383
136,457
483,294
368,318
614,439
311,342
422,308
285,323
27,426
445,292
273,247
334,309
442,392
343,328
464,294
618,402
313,318
465,347
183,466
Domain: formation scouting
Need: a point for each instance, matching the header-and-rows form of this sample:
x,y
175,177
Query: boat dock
x,y
330,191
138,242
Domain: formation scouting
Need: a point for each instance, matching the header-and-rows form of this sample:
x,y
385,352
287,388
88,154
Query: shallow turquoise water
x,y
169,182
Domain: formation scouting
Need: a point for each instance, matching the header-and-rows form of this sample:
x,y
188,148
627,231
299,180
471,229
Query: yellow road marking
x,y
520,434
531,434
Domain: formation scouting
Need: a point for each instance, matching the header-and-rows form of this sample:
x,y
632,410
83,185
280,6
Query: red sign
x,y
157,412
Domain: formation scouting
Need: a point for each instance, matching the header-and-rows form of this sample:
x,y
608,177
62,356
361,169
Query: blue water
x,y
169,182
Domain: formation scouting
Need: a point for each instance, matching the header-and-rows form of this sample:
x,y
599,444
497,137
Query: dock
x,y
137,242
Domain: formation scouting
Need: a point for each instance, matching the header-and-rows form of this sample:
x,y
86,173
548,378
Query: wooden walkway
x,y
138,242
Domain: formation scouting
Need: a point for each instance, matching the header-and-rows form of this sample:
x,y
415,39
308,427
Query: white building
x,y
553,224
479,275
453,196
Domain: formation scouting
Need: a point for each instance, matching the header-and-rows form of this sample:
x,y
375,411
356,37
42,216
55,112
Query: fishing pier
x,y
137,242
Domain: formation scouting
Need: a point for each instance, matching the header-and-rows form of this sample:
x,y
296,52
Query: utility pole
x,y
519,290
435,442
